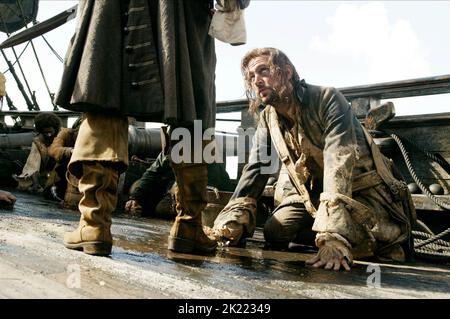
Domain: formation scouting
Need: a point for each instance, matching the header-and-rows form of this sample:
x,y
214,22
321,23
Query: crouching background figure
x,y
339,192
37,175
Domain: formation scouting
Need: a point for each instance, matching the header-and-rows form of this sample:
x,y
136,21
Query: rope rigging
x,y
20,55
51,95
425,244
53,50
19,11
435,199
36,106
11,69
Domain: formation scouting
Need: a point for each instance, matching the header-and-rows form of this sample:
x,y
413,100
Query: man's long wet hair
x,y
47,119
277,64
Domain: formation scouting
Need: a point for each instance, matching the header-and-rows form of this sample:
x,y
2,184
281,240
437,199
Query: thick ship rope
x,y
427,245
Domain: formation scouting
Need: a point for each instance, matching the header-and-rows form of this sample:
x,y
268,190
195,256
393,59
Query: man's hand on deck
x,y
7,198
133,207
333,263
332,254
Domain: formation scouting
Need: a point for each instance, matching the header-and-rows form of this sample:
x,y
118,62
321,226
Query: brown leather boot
x,y
186,235
98,186
91,240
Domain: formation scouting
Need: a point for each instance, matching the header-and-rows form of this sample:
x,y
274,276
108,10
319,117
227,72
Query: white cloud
x,y
391,50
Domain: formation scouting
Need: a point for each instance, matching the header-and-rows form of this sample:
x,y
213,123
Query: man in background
x,y
36,171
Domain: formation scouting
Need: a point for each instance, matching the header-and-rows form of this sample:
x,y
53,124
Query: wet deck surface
x,y
34,264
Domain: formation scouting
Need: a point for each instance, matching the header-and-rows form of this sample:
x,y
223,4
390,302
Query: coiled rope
x,y
427,245
438,201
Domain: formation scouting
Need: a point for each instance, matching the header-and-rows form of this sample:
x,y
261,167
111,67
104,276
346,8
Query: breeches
x,y
290,222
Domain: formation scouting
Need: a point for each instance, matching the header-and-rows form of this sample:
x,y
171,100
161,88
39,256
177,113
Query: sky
x,y
332,43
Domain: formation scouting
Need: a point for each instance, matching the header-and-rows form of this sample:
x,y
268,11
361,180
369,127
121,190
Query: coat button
x,y
134,85
126,30
131,67
128,49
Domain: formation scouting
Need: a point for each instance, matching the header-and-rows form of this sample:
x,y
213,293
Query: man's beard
x,y
272,99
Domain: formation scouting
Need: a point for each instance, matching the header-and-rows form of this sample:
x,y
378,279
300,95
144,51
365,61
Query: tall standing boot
x,y
186,234
98,186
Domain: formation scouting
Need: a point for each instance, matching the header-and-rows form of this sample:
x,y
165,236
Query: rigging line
x,y
438,201
43,75
18,82
37,60
23,73
11,69
53,50
8,34
10,104
20,55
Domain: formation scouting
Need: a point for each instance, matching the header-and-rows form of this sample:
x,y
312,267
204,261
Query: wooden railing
x,y
363,97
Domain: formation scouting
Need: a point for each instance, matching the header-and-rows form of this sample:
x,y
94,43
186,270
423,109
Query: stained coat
x,y
352,187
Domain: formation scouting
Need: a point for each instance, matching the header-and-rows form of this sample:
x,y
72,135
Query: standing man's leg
x,y
188,72
98,159
98,186
186,234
